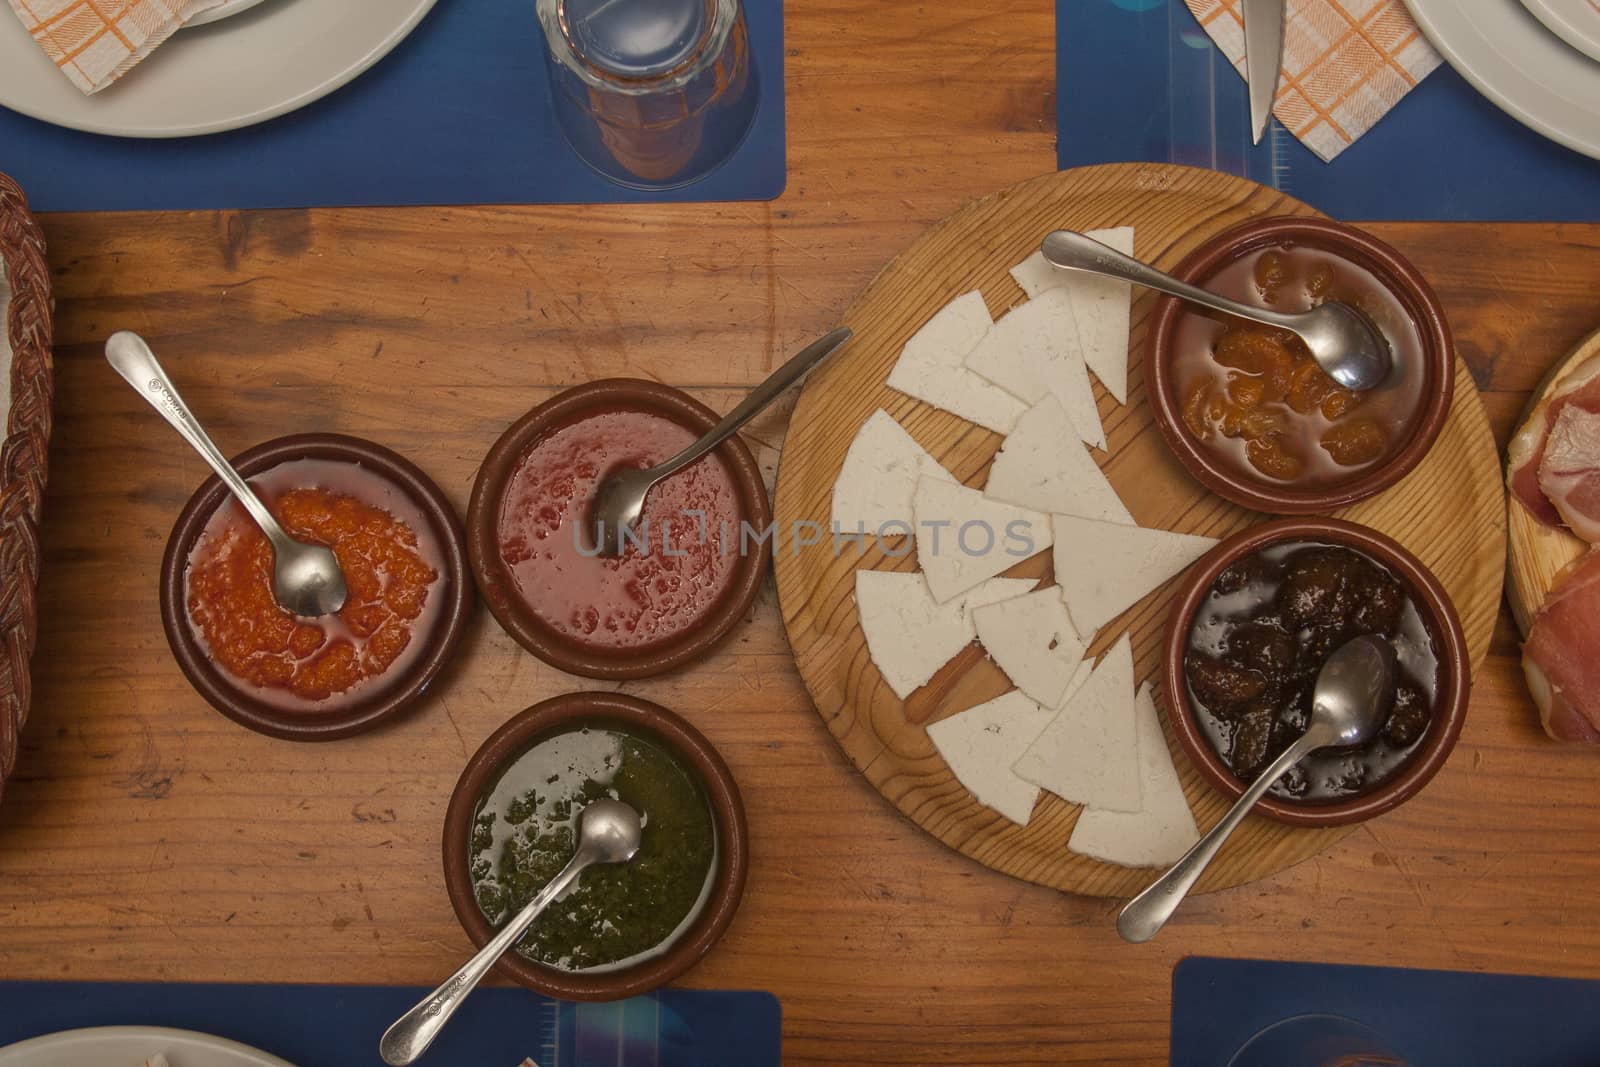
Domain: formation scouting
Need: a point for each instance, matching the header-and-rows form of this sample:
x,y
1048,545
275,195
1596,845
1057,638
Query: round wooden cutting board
x,y
1538,553
1450,511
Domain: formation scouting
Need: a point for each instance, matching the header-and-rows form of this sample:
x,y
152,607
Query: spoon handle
x,y
414,1031
1147,913
131,357
1071,250
759,398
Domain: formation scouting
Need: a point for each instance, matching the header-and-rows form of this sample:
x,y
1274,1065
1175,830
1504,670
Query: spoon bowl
x,y
1345,344
306,578
1348,701
619,502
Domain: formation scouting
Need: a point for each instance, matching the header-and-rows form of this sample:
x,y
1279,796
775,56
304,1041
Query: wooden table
x,y
148,838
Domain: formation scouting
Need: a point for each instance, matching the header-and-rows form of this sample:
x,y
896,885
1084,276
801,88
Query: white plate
x,y
222,11
1524,68
130,1046
1576,22
236,73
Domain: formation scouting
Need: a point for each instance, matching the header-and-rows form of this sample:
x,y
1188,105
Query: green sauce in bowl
x,y
525,832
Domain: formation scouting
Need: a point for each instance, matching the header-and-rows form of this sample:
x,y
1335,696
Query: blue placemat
x,y
1433,1018
339,1026
457,114
1139,80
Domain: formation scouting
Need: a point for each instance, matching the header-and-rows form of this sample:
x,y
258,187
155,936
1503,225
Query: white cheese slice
x,y
1033,352
1043,465
1079,676
1163,828
1089,753
1104,308
1016,352
879,477
981,743
1105,568
1101,306
909,637
964,538
1038,275
930,367
1032,639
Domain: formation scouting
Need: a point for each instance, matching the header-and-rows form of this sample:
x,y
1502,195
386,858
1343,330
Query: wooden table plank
x,y
147,838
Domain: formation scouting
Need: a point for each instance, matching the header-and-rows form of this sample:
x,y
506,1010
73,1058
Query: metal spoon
x,y
608,832
1350,696
306,579
619,501
1344,343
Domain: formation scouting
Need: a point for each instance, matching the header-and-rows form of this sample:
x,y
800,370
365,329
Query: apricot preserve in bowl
x,y
681,584
1251,414
1256,619
404,560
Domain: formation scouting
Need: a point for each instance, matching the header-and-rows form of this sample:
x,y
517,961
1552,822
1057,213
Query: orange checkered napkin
x,y
1345,63
95,42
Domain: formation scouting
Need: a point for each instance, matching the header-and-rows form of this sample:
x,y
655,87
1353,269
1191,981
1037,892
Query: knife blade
x,y
1263,55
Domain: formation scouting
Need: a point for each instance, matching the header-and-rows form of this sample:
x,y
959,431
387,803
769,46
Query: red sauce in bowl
x,y
392,566
652,593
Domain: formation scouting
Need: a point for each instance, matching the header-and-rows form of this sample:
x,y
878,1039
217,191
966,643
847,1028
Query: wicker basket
x,y
23,458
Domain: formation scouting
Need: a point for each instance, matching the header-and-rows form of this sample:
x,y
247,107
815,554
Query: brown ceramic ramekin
x,y
1397,275
634,716
1438,615
388,697
499,588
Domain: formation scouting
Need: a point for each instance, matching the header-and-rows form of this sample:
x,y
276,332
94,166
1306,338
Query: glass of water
x,y
653,94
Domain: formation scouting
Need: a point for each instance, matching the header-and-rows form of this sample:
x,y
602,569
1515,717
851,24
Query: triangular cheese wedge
x,y
1038,275
1068,381
981,743
1089,754
1016,352
1032,639
964,538
1042,465
1101,308
930,367
1033,352
1082,674
879,476
1105,568
1163,828
909,637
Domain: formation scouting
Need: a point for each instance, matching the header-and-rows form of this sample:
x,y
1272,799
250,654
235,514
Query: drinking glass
x,y
653,94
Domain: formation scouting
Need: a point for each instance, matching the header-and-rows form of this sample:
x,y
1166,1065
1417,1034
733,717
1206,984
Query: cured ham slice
x,y
1580,389
1569,474
1559,657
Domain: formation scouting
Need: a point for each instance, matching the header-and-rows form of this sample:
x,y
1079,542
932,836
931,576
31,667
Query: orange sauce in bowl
x,y
1253,395
392,566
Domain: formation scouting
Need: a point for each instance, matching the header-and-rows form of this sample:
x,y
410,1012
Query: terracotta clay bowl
x,y
1438,616
499,588
389,696
636,716
1395,273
